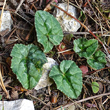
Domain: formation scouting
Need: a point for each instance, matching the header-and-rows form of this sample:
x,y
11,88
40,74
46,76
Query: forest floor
x,y
95,15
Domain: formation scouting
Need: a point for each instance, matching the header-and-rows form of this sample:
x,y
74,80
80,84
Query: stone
x,y
45,80
21,104
67,23
6,21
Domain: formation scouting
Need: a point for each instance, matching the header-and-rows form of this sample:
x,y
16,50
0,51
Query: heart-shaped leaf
x,y
27,62
68,78
95,87
97,60
49,31
85,48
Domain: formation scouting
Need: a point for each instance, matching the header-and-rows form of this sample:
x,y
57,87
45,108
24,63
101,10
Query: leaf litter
x,y
97,19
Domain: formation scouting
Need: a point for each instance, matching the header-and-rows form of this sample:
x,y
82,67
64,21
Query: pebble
x,y
45,80
6,21
67,23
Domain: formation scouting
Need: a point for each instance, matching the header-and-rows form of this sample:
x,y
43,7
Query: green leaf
x,y
49,31
0,96
27,62
82,16
85,48
97,60
68,78
95,87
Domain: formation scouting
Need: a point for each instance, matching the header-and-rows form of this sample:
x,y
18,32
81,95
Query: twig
x,y
3,86
10,35
28,35
24,19
98,70
67,5
95,15
80,23
83,100
93,10
86,14
79,33
65,51
86,4
106,100
77,104
21,2
98,79
103,17
38,99
2,13
40,3
85,28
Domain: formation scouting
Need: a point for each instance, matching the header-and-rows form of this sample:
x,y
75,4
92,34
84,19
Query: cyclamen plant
x,y
49,31
27,61
88,49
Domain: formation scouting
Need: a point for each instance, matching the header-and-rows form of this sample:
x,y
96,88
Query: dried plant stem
x,y
65,51
82,33
103,17
2,85
92,72
21,2
80,23
28,35
83,100
24,18
85,28
10,35
77,104
96,22
38,99
85,13
95,15
98,79
68,5
2,13
86,4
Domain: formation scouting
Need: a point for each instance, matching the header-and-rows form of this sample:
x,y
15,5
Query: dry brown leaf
x,y
14,94
8,60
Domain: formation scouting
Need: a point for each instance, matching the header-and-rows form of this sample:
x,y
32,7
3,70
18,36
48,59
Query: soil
x,y
96,18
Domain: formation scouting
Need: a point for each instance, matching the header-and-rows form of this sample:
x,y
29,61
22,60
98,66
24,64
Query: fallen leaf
x,y
14,94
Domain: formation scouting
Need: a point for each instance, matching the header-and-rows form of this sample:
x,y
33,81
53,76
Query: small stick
x,y
38,99
86,4
98,70
21,2
28,35
78,33
3,86
2,13
79,22
103,17
97,79
83,100
64,51
68,6
85,28
10,35
84,12
24,19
